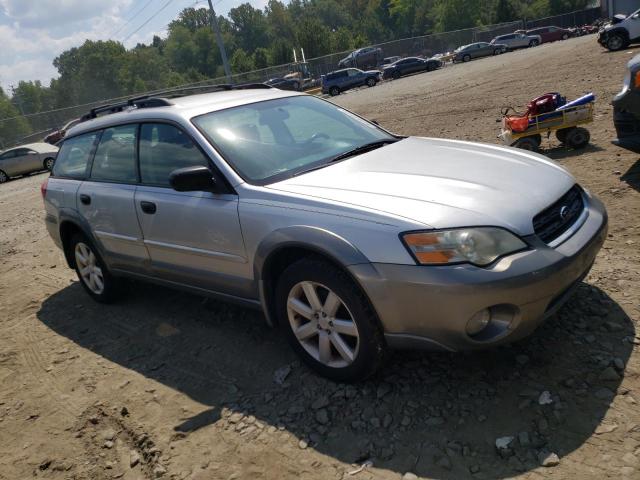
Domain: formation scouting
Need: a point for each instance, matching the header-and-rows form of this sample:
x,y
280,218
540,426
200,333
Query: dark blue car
x,y
341,80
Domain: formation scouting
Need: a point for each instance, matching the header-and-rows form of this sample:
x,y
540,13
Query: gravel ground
x,y
166,384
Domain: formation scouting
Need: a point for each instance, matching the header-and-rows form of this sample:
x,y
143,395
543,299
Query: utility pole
x,y
223,52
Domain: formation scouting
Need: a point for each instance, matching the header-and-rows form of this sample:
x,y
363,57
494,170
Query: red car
x,y
550,34
57,135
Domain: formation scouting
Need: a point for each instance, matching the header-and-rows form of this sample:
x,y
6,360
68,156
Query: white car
x,y
518,40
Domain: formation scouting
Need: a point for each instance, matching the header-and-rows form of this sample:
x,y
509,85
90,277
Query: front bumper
x,y
429,307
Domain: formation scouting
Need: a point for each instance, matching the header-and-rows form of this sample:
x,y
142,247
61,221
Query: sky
x,y
34,32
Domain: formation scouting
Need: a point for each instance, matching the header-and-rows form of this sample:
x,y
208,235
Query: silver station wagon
x,y
351,239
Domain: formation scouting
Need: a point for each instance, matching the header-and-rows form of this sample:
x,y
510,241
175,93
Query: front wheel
x,y
328,321
371,82
531,144
616,42
396,75
92,271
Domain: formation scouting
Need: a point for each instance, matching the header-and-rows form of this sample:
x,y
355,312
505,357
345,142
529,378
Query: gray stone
x,y
522,359
545,398
604,394
445,463
503,443
159,471
609,374
618,363
474,468
108,434
281,374
134,458
523,439
322,417
548,459
383,389
321,402
434,421
406,421
409,476
302,444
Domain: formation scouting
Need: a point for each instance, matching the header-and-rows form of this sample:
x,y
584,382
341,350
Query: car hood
x,y
441,183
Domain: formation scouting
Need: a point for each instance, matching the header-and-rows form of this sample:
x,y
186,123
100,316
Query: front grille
x,y
559,217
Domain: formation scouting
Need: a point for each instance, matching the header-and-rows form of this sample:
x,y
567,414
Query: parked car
x,y
621,32
350,238
550,34
340,81
517,40
478,50
24,159
364,58
409,65
626,109
58,134
389,60
284,83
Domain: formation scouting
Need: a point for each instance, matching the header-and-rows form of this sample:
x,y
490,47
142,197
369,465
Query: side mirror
x,y
193,179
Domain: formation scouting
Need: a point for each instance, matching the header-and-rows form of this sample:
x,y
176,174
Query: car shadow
x,y
559,152
632,176
438,415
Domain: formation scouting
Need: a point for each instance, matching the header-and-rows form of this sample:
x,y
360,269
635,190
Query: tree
x,y
12,125
250,26
505,11
241,62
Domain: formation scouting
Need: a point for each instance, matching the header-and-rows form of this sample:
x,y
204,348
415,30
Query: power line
x,y
147,21
131,19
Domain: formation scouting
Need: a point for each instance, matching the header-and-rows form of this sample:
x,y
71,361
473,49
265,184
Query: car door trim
x,y
116,236
197,251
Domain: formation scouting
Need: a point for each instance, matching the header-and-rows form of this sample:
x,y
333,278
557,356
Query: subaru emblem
x,y
564,210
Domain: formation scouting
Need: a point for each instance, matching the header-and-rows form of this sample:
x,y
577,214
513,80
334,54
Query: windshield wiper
x,y
367,147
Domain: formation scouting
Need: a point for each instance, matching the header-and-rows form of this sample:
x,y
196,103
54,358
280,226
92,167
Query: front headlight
x,y
479,246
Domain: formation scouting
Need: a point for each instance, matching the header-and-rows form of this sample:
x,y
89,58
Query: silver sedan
x,y
24,159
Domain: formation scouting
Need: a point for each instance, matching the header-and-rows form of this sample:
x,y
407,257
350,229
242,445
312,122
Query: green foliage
x,y
253,39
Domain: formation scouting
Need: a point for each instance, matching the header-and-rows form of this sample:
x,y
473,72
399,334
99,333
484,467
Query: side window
x,y
115,159
8,155
73,156
163,149
353,72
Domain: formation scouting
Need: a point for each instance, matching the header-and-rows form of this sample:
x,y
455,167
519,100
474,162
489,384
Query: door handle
x,y
85,199
148,207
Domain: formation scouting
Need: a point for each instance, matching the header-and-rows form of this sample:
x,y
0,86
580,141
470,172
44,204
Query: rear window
x,y
115,159
74,155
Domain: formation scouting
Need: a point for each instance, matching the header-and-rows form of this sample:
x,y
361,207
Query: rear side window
x,y
115,159
163,149
73,156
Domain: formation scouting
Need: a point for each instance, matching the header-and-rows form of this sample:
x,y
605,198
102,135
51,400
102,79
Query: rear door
x,y
193,238
106,199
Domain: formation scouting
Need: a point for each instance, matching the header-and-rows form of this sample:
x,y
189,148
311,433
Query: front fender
x,y
314,239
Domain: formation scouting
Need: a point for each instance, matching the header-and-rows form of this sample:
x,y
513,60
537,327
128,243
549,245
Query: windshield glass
x,y
272,140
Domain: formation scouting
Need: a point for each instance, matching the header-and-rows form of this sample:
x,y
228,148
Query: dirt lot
x,y
166,384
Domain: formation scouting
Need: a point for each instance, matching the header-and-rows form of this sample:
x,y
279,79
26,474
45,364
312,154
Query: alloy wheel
x,y
48,163
3,177
614,42
90,272
322,324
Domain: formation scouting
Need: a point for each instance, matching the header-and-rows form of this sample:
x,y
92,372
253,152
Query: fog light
x,y
478,322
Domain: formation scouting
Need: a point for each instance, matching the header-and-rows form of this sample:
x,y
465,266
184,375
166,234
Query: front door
x,y
193,238
106,200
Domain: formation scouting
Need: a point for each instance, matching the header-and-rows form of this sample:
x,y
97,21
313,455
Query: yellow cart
x,y
565,123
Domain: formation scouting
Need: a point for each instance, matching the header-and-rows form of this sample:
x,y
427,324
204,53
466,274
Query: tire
x,y
360,339
565,36
3,177
616,42
533,43
48,163
371,82
577,138
561,134
497,51
531,144
466,58
98,283
395,75
333,91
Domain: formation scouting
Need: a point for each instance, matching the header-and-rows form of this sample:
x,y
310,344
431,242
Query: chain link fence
x,y
40,124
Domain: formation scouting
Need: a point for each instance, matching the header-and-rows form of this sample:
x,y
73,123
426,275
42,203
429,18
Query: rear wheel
x,y
3,177
529,143
92,271
371,82
48,163
333,91
328,321
577,138
616,42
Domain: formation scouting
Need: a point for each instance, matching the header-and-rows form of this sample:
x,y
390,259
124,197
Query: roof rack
x,y
161,98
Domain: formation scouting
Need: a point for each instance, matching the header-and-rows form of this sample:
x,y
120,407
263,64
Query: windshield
x,y
273,140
